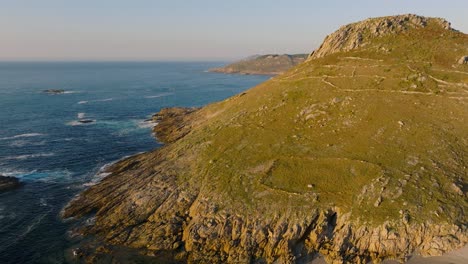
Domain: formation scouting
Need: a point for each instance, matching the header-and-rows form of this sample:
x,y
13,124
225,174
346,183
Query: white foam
x,y
147,124
81,115
104,100
78,123
22,143
29,156
158,95
23,136
98,100
103,171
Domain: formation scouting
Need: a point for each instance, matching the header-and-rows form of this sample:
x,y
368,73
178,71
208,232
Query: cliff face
x,y
271,64
357,155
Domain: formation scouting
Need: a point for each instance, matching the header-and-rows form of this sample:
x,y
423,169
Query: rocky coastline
x,y
182,223
235,182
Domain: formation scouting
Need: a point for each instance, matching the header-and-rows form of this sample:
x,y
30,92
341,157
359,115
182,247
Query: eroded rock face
x,y
358,34
172,123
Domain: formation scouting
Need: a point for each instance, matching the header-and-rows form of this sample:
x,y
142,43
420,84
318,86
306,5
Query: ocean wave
x,y
39,175
81,115
98,100
104,171
33,225
146,123
158,95
23,136
22,143
28,156
104,100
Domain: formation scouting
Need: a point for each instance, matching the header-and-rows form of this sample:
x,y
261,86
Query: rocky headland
x,y
271,64
358,154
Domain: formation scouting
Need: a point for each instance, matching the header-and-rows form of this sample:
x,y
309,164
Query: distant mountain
x,y
270,64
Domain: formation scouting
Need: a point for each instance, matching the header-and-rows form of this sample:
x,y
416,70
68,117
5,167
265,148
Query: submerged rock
x,y
86,121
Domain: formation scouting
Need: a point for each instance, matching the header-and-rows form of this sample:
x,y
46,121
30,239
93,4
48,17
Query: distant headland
x,y
270,64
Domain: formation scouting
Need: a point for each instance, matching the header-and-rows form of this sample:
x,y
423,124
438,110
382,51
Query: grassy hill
x,y
270,64
359,154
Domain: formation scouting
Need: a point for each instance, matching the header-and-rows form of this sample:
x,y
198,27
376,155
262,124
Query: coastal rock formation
x,y
271,64
360,34
54,91
356,155
172,123
8,183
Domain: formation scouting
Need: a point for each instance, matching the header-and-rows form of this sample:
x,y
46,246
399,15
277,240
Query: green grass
x,y
343,125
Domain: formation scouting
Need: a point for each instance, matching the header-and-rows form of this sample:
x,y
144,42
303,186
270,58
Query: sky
x,y
187,30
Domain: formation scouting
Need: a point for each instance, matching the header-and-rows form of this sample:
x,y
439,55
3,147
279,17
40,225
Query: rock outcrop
x,y
358,156
8,183
54,91
463,60
360,34
271,64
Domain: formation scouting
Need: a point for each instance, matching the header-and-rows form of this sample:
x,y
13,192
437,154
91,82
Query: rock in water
x,y
8,183
54,91
358,154
86,121
463,60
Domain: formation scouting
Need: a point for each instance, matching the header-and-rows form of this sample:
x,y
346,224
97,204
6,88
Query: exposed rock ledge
x,y
359,34
142,205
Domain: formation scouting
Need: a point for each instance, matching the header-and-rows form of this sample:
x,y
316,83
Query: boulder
x,y
463,60
8,183
54,91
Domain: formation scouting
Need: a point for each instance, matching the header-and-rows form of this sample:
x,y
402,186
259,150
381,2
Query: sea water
x,y
43,143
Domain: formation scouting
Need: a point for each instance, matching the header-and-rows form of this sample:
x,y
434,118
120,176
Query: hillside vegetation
x,y
359,154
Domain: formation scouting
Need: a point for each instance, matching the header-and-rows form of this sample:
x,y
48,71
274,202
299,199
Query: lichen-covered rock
x,y
463,60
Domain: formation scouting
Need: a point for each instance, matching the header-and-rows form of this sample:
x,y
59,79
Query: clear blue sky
x,y
188,29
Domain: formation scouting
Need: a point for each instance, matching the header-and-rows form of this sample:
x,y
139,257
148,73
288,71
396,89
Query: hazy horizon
x,y
207,30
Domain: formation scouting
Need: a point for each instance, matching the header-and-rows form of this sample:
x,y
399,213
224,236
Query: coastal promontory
x,y
359,154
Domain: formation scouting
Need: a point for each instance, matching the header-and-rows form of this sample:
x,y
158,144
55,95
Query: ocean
x,y
55,156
